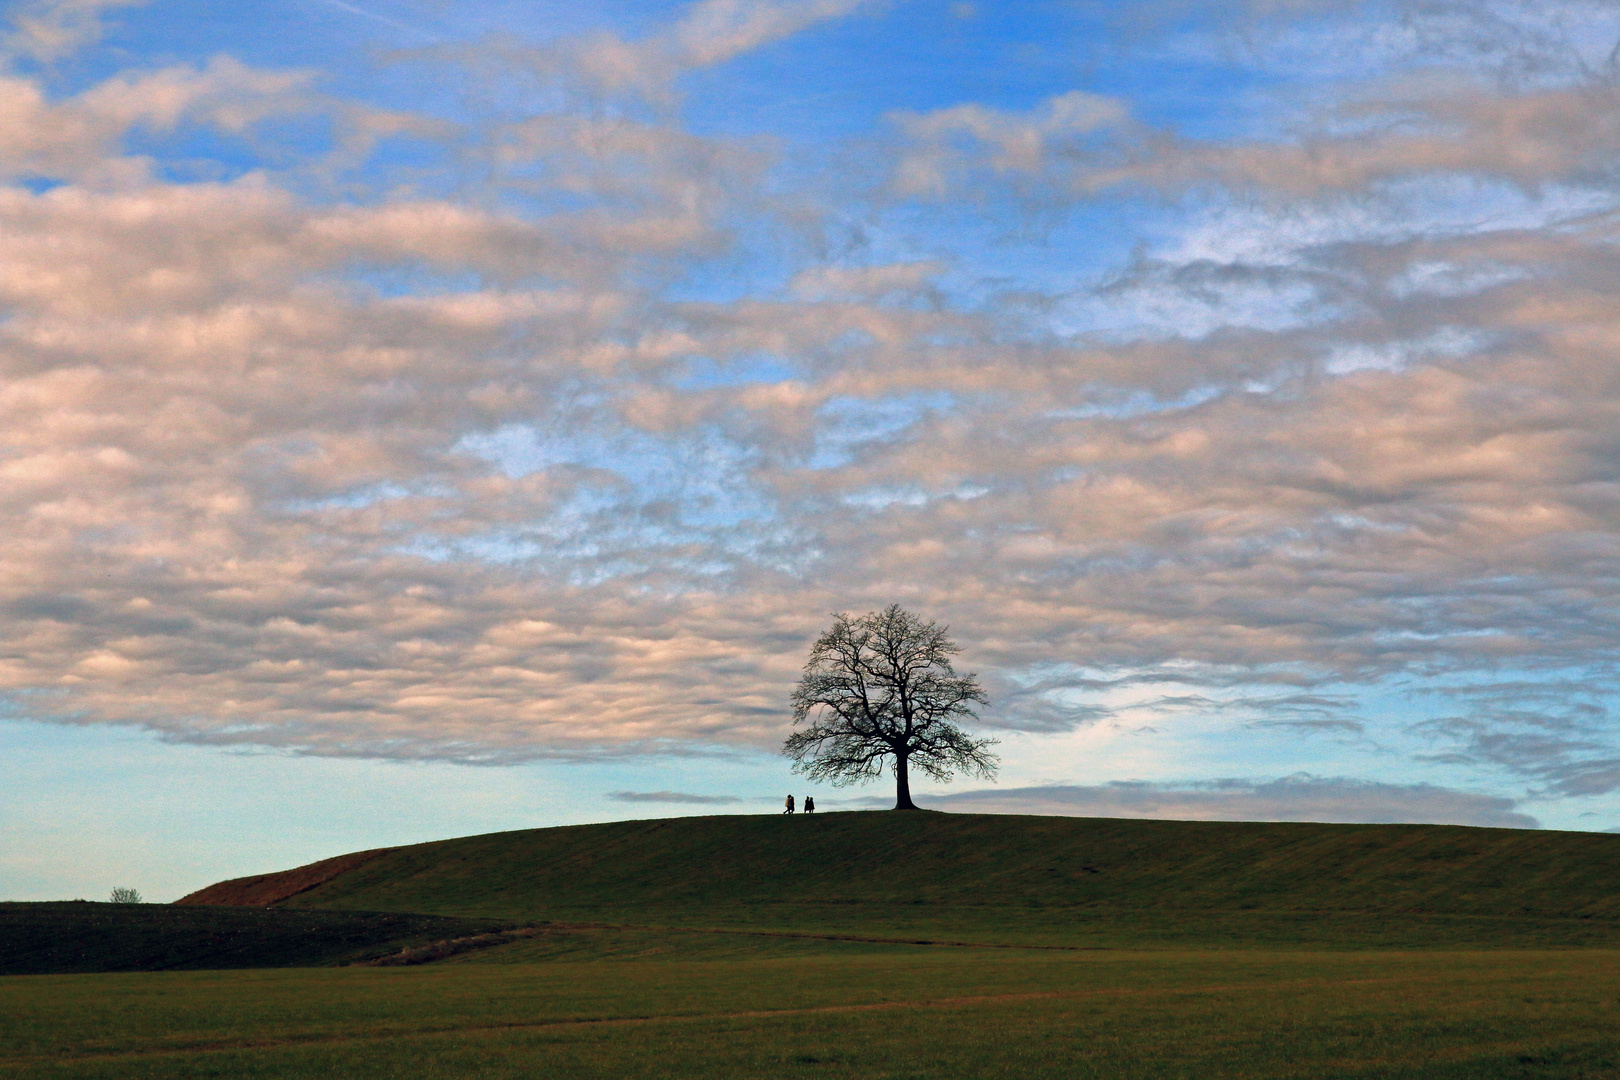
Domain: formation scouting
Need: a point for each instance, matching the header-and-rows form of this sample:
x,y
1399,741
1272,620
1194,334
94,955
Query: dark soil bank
x,y
77,936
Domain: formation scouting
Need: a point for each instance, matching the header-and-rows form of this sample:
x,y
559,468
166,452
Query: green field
x,y
770,947
928,1012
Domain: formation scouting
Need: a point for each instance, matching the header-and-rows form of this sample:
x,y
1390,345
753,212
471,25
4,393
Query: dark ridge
x,y
76,936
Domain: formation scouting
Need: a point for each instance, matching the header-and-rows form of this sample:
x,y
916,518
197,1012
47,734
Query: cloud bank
x,y
677,797
308,448
1293,798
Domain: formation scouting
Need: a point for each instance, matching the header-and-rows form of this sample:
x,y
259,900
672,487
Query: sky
x,y
424,418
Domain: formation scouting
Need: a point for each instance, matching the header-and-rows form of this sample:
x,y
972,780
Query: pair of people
x,y
809,804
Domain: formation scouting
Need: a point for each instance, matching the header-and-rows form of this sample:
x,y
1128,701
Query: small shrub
x,y
122,894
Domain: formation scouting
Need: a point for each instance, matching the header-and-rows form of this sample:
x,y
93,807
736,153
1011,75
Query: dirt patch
x,y
262,890
438,950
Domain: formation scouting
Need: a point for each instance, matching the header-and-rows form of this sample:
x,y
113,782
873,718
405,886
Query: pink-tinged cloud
x,y
466,469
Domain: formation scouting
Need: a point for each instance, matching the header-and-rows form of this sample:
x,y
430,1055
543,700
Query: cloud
x,y
1555,732
1079,146
1008,143
713,31
645,70
673,797
1532,139
1293,798
47,30
489,468
1362,98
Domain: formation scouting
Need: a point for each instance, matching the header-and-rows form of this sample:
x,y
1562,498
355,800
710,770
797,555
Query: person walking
x,y
809,804
789,805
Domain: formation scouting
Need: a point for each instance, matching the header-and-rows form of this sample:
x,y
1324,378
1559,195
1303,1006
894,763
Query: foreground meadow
x,y
769,1008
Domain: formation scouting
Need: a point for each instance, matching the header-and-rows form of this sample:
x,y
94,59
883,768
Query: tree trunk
x,y
902,785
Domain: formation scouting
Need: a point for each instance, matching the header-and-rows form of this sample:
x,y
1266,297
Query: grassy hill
x,y
1000,879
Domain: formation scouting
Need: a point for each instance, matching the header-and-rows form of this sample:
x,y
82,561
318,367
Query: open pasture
x,y
893,1012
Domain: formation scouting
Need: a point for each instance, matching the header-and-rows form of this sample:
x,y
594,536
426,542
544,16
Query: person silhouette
x,y
809,804
789,805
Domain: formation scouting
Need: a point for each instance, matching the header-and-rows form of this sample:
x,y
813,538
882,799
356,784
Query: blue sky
x,y
424,418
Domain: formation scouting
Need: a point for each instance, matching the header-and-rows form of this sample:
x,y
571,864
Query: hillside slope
x,y
1013,879
264,890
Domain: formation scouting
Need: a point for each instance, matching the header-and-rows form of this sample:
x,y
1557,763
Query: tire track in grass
x,y
807,936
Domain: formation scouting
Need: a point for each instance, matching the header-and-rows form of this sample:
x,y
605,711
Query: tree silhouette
x,y
882,687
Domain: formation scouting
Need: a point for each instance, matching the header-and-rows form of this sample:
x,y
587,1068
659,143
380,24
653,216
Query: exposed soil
x,y
438,950
262,890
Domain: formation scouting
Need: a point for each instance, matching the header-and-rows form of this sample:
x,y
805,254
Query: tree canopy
x,y
880,690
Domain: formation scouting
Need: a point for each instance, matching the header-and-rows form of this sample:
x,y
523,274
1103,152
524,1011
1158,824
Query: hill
x,y
77,936
999,879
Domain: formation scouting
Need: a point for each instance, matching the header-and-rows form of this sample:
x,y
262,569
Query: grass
x,y
77,936
928,1012
904,947
1023,880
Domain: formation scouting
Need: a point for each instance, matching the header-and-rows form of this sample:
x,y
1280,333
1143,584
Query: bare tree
x,y
123,894
882,687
